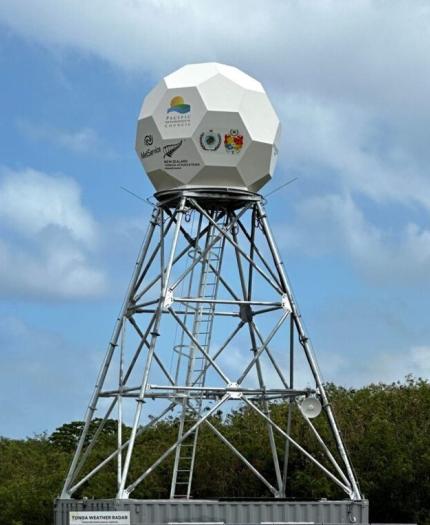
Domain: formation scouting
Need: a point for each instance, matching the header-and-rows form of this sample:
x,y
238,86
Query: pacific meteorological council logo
x,y
177,105
178,114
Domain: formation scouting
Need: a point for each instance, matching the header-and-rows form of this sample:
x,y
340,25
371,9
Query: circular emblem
x,y
148,140
210,141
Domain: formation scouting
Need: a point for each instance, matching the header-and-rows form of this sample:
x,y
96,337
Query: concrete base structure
x,y
196,512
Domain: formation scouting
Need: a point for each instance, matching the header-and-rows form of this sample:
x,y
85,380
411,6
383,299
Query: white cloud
x,y
59,270
347,146
80,141
334,223
32,201
328,47
47,238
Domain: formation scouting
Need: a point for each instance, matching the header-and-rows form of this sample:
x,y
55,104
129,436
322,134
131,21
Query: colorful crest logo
x,y
177,105
233,141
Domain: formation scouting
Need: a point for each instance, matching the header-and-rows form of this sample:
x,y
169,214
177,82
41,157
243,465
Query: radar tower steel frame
x,y
220,218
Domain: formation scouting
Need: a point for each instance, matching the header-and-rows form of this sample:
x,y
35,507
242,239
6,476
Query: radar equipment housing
x,y
208,126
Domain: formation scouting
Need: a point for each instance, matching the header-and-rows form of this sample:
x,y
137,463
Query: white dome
x,y
208,126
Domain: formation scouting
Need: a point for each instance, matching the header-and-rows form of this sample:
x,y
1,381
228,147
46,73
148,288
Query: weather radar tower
x,y
209,325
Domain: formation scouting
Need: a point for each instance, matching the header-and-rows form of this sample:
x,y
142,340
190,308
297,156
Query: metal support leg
x,y
110,351
165,283
304,340
247,295
290,408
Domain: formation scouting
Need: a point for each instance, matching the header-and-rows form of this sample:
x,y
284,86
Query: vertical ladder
x,y
196,367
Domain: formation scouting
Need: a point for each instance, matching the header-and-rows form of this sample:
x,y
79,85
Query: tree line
x,y
385,427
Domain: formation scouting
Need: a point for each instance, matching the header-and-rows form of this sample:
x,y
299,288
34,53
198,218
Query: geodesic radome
x,y
208,126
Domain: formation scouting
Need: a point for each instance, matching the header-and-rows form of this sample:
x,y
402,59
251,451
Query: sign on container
x,y
102,517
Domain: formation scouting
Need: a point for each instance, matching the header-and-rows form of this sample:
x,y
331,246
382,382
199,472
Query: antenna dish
x,y
310,407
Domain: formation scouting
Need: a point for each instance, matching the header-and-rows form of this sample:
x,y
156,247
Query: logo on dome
x,y
178,114
177,105
149,152
233,142
170,149
210,140
148,140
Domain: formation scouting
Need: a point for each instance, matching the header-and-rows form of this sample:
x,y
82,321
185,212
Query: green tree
x,y
386,429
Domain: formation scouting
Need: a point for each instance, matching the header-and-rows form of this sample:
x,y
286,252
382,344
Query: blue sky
x,y
350,82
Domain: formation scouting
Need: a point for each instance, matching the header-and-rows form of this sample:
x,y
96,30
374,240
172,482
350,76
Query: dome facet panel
x,y
208,126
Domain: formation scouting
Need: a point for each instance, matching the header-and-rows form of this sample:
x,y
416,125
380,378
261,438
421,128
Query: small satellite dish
x,y
310,407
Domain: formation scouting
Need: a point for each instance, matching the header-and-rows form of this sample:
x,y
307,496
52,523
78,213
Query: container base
x,y
196,512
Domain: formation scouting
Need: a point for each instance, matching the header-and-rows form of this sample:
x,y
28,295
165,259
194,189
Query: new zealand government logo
x,y
233,142
170,149
210,141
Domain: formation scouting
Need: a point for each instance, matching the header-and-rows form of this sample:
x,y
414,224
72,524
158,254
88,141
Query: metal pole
x,y
198,346
304,451
177,258
263,347
326,450
110,351
165,282
290,407
131,487
257,251
221,349
157,359
123,446
247,294
120,384
304,340
272,359
242,458
231,241
204,253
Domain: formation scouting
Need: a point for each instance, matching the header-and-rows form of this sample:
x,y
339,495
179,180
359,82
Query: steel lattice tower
x,y
191,237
